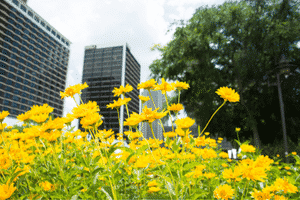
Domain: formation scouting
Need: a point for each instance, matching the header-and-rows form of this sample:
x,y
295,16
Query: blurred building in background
x,y
34,60
107,67
159,100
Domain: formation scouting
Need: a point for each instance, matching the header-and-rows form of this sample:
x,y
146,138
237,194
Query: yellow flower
x,y
175,107
47,186
134,119
3,114
85,109
150,116
283,184
181,85
224,165
119,103
153,189
142,162
164,87
122,90
247,148
36,109
206,133
6,190
83,190
278,155
224,192
257,195
9,127
228,94
91,120
294,153
152,183
23,117
184,123
143,98
72,90
40,118
279,197
104,133
287,168
170,134
147,85
237,129
223,155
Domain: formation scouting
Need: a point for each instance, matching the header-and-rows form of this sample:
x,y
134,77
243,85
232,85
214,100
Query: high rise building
x,y
34,60
107,67
159,100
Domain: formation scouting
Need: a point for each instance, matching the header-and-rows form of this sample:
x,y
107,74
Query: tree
x,y
232,45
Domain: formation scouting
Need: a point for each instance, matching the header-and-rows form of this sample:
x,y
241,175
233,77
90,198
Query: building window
x,y
48,28
23,8
17,85
30,14
9,82
6,102
7,95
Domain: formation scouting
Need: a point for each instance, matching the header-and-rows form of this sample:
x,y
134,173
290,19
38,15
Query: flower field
x,y
43,163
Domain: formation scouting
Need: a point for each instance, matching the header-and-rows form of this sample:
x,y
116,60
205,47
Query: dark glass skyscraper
x,y
106,68
33,60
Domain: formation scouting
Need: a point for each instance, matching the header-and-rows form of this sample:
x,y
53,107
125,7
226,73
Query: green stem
x,y
245,189
212,117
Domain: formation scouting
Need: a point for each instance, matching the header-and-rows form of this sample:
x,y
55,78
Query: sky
x,y
139,23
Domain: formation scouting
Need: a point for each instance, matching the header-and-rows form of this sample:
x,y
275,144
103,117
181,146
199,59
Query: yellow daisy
x,y
228,94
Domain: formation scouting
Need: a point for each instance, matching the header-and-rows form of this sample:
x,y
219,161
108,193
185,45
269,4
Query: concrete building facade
x,y
34,60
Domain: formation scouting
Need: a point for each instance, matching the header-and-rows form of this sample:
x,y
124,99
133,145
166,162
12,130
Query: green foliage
x,y
243,40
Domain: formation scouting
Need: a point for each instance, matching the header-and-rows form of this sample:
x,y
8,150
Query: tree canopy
x,y
235,44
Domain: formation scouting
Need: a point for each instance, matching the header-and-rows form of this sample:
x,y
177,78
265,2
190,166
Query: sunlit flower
x,y
164,87
257,195
153,189
37,109
170,134
85,109
237,129
122,90
228,94
283,184
294,153
181,85
3,114
40,118
143,98
152,183
119,103
47,186
185,123
247,148
6,190
72,90
148,85
175,107
224,192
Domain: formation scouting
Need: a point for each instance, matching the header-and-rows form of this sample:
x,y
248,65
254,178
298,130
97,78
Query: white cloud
x,y
140,23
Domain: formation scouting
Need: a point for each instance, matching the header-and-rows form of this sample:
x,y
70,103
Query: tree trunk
x,y
253,121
